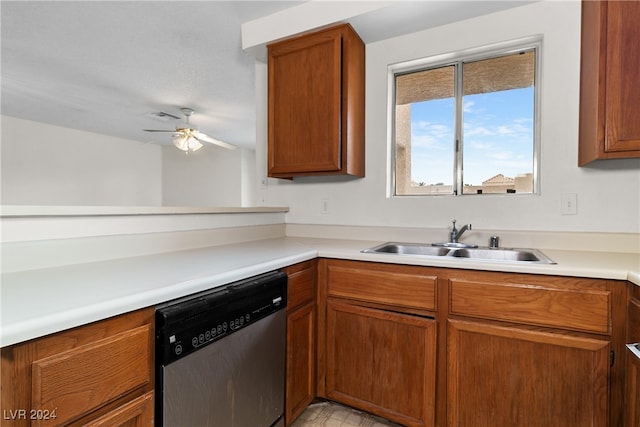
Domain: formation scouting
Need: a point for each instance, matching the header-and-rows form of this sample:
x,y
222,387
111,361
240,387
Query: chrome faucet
x,y
455,233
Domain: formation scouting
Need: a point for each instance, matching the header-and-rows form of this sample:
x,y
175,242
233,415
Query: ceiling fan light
x,y
180,141
187,139
186,142
193,144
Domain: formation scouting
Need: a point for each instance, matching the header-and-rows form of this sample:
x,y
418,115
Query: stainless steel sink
x,y
529,255
486,254
408,249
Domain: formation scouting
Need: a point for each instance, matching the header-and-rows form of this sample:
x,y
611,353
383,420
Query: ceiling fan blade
x,y
158,130
206,138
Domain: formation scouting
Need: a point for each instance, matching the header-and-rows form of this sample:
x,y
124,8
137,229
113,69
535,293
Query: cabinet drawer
x,y
79,380
563,306
384,284
301,288
137,413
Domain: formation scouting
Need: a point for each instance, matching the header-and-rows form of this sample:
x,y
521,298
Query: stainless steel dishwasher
x,y
220,356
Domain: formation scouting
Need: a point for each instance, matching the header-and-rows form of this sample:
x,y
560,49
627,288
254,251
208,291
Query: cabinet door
x,y
506,376
304,102
300,361
316,104
610,65
382,362
301,338
137,413
623,70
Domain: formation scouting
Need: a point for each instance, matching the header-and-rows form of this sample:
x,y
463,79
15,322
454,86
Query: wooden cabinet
x,y
633,362
411,288
316,104
380,340
301,339
509,376
381,361
427,346
533,351
98,374
610,69
563,303
633,392
137,413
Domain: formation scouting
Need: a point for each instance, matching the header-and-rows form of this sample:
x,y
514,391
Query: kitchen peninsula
x,y
42,299
124,280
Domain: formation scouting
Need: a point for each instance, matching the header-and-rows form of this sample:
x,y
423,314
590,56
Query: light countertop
x,y
39,302
602,265
35,303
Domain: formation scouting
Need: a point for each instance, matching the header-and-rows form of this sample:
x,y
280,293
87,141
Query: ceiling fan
x,y
187,138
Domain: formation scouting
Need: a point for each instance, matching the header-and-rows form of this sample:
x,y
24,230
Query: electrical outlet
x,y
324,206
569,203
263,190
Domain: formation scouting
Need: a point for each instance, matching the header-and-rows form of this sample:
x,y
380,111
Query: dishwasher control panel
x,y
187,324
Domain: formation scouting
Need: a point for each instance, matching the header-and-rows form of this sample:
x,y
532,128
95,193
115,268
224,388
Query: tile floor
x,y
329,414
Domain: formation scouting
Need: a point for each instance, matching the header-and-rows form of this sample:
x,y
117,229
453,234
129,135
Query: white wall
x,y
55,240
211,176
608,193
51,165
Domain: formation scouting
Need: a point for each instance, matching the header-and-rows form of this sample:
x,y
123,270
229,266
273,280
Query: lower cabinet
x,y
300,384
301,339
633,392
382,362
99,374
510,376
377,339
632,395
425,346
534,351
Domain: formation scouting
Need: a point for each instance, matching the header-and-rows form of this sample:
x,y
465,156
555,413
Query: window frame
x,y
452,58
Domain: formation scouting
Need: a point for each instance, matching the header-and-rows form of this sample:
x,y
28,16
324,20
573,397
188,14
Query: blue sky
x,y
498,137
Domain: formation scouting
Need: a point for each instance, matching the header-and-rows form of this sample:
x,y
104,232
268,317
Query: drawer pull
x,y
635,349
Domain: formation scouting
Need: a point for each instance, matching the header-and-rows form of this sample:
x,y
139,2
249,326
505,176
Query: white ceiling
x,y
106,67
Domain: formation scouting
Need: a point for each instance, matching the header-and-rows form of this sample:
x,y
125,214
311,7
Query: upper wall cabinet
x,y
316,104
609,90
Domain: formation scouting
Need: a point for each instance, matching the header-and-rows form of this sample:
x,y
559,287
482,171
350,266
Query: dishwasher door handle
x,y
635,349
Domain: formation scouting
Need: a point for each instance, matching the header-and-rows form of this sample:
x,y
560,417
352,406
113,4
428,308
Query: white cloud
x,y
468,106
480,145
479,130
501,156
431,135
505,130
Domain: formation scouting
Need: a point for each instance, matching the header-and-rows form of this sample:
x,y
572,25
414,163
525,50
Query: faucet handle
x,y
454,223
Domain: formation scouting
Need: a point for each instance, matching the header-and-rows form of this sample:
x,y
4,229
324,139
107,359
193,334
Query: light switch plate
x,y
569,203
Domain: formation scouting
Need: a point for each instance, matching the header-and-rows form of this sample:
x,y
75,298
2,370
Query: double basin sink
x,y
462,251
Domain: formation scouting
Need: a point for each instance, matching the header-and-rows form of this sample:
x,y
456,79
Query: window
x,y
466,124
